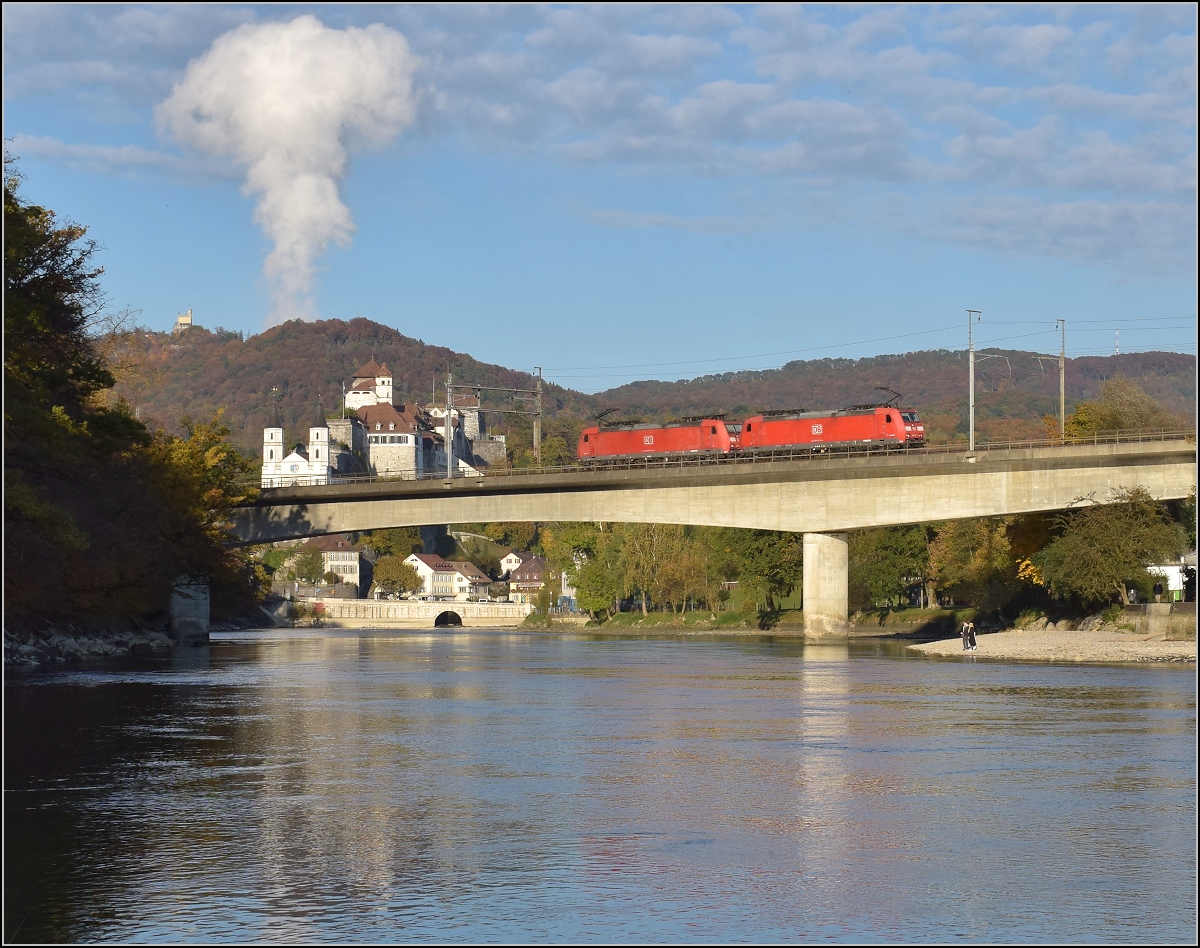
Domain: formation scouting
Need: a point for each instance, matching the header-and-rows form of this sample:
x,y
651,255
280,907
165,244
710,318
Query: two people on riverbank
x,y
968,637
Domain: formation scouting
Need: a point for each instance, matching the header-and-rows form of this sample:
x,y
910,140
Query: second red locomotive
x,y
877,424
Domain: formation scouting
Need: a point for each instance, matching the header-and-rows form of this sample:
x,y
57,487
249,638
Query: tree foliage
x,y
1105,547
102,515
394,577
767,564
885,563
1121,406
972,559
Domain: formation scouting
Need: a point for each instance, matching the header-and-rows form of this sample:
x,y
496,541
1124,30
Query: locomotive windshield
x,y
910,416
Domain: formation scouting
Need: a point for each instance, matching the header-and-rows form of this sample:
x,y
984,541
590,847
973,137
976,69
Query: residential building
x,y
526,580
513,560
339,555
448,579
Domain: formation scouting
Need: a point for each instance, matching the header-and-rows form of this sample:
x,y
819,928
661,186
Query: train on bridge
x,y
868,426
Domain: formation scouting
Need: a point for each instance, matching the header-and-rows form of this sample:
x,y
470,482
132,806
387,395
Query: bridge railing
x,y
680,461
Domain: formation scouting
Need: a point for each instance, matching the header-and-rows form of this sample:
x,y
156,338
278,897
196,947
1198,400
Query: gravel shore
x,y
1067,646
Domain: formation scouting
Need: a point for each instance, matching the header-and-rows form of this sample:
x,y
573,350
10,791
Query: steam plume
x,y
285,101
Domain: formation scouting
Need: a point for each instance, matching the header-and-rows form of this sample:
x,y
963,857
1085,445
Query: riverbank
x,y
48,642
1052,645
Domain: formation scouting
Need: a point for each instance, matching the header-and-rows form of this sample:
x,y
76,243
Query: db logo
x,y
818,429
647,439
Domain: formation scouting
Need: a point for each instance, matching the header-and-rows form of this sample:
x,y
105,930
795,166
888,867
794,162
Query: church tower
x,y
318,448
273,452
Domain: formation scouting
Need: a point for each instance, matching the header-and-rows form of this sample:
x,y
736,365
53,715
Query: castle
x,y
378,438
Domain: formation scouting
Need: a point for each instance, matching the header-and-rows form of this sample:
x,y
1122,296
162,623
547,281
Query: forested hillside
x,y
165,377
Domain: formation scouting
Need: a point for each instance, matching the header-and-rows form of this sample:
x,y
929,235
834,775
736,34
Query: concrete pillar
x,y
826,595
189,613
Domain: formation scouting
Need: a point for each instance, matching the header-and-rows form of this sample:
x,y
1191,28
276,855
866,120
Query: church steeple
x,y
318,448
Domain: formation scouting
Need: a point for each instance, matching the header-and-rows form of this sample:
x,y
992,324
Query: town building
x,y
448,579
527,580
513,560
340,556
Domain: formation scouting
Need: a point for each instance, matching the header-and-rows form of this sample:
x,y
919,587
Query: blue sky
x,y
629,192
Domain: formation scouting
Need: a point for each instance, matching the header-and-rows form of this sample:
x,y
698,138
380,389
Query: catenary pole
x,y
972,314
1062,382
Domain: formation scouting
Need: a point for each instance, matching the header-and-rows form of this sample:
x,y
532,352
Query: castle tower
x,y
273,452
383,384
318,448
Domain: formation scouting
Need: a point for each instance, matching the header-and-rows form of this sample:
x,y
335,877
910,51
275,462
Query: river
x,y
497,786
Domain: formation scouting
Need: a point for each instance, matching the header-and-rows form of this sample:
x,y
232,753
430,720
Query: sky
x,y
615,193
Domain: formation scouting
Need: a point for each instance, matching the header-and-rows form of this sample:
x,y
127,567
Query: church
x,y
376,437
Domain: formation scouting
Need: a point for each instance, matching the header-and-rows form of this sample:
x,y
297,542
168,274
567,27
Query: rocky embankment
x,y
43,642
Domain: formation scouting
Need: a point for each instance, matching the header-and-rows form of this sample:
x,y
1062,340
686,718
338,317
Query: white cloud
x,y
285,102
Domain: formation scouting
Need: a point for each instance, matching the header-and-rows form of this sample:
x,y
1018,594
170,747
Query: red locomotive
x,y
635,440
864,425
873,425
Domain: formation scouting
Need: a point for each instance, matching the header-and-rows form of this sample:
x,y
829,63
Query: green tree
x,y
309,566
394,577
885,562
768,564
646,551
1104,547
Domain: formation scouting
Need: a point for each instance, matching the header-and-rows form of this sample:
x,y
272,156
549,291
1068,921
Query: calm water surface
x,y
410,786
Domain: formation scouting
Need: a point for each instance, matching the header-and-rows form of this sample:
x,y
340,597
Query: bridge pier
x,y
826,586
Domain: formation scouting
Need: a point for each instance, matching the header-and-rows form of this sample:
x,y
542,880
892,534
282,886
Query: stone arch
x,y
447,619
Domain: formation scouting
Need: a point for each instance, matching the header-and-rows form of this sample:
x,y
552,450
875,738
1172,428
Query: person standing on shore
x,y
970,637
966,635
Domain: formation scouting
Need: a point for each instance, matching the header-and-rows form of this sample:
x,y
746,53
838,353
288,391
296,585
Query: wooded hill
x,y
165,377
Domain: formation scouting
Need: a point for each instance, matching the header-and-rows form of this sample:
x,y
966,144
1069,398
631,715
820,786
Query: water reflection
x,y
482,786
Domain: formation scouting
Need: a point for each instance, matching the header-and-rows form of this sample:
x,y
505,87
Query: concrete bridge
x,y
821,497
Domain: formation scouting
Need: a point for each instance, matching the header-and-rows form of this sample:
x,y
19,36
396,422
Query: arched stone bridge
x,y
821,497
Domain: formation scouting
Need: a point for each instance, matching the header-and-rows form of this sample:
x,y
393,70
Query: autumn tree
x,y
102,515
1105,547
1121,406
394,577
972,559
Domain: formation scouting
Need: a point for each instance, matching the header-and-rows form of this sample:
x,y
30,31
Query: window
x,y
378,425
888,419
391,426
271,455
714,430
748,427
586,438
